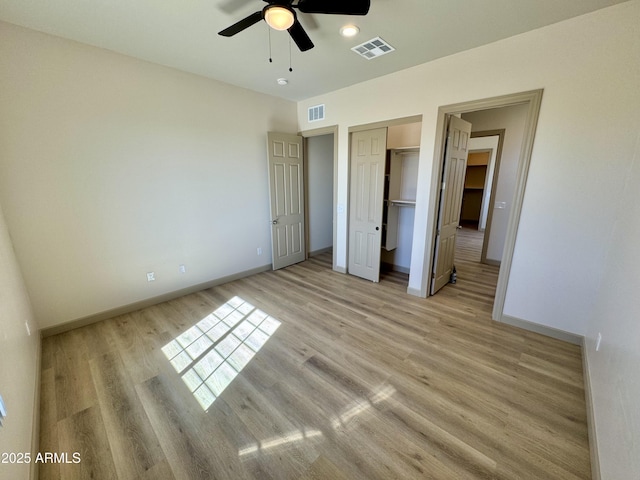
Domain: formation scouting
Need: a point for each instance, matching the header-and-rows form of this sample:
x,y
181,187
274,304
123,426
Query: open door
x,y
287,198
368,158
453,171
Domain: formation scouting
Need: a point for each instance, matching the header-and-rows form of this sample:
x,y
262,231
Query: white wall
x,y
589,69
615,367
512,120
18,359
320,194
111,167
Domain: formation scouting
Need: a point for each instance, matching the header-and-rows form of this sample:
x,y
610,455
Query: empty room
x,y
319,240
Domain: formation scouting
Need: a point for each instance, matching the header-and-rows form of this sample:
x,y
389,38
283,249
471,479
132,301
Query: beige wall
x,y
18,359
111,167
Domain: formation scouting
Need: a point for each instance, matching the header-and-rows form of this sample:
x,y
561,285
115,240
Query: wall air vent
x,y
374,48
316,113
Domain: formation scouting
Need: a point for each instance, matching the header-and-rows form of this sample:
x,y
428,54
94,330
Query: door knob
x,y
274,222
377,228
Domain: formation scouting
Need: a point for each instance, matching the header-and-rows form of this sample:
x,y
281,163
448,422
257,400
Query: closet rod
x,y
403,203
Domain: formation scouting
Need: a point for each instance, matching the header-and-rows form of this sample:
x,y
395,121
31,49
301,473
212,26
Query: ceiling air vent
x,y
316,113
376,47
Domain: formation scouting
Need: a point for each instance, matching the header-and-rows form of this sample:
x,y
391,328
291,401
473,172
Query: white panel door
x,y
451,189
287,199
368,157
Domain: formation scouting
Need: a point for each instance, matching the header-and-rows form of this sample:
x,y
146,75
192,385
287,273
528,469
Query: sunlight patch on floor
x,y
210,354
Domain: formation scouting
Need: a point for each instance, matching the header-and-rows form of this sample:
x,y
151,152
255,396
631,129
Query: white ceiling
x,y
183,34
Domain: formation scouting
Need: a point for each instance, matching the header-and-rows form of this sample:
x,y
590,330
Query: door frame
x,y
316,132
494,183
534,99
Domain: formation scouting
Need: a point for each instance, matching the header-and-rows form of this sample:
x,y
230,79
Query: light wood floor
x,y
348,380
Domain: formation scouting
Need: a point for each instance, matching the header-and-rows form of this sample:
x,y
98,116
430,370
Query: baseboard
x,y
340,269
488,261
543,329
320,251
591,420
34,471
132,307
416,292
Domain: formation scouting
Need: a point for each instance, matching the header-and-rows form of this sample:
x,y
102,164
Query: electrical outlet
x,y
598,340
151,276
182,269
259,250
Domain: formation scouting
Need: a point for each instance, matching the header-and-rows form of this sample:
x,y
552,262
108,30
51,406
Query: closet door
x,y
368,157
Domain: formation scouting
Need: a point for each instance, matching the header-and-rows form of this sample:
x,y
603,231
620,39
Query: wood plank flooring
x,y
339,378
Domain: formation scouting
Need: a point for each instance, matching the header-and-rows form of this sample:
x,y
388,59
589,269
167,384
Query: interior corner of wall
x,y
591,420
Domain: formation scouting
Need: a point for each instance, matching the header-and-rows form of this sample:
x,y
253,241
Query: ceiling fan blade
x,y
241,25
336,7
232,6
299,36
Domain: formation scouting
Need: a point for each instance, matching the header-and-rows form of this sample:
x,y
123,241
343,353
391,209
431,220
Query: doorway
x,y
475,186
490,141
318,154
321,166
531,100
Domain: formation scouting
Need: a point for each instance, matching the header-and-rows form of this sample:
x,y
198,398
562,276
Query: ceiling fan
x,y
280,15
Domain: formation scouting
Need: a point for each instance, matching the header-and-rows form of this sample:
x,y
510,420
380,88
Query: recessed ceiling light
x,y
282,81
349,31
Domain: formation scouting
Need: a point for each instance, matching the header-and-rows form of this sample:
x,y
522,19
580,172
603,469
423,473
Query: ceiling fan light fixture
x,y
349,31
278,17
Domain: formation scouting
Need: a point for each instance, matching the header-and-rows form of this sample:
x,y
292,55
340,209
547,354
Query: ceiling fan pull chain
x,y
290,69
270,59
